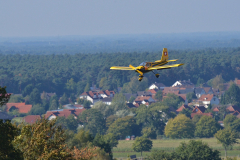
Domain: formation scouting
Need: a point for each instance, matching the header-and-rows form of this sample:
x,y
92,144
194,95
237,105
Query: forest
x,y
71,73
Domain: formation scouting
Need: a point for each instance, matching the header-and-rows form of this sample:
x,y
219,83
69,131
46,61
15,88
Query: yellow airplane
x,y
145,67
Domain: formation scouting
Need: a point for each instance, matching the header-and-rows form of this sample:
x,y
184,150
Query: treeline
x,y
72,73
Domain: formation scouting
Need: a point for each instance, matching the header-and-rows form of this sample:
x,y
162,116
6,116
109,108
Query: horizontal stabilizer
x,y
173,60
165,66
121,68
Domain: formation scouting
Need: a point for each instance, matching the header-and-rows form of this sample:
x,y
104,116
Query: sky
x,y
29,18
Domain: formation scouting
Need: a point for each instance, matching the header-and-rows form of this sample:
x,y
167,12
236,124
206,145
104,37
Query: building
x,y
20,107
183,83
157,86
63,113
31,118
95,96
207,99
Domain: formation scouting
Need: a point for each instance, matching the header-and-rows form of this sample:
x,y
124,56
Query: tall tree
x,y
206,127
227,138
180,127
142,144
232,95
158,95
35,97
51,145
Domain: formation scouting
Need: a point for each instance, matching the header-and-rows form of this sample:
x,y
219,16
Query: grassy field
x,y
124,147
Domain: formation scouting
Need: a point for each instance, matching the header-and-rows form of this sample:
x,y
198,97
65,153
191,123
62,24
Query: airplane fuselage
x,y
143,67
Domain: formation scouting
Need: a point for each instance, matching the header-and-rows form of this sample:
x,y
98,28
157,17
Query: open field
x,y
124,147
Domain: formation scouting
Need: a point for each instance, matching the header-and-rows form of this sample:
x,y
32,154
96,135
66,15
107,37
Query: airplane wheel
x,y
140,78
157,75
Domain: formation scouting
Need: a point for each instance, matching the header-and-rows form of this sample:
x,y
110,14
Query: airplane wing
x,y
121,68
165,66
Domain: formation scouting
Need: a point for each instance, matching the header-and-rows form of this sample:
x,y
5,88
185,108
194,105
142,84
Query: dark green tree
x,y
232,95
27,90
187,112
190,96
196,150
34,97
158,95
64,99
93,121
8,132
100,141
86,104
206,127
142,144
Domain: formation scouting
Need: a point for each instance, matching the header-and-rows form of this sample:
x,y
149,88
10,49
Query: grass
x,y
124,148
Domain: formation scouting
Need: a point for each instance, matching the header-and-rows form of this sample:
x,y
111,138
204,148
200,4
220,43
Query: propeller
x,y
136,70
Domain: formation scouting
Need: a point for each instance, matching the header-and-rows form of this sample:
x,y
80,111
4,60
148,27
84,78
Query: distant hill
x,y
118,43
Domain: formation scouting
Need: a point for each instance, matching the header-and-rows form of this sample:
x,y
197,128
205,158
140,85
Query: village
x,y
205,96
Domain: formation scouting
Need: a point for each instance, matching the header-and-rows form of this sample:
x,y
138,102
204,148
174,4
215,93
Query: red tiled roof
x,y
206,89
216,109
199,109
31,118
237,81
142,98
183,96
153,91
233,108
21,107
204,114
65,113
206,97
235,113
183,107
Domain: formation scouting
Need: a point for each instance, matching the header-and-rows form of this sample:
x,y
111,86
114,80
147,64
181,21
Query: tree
x,y
35,97
196,150
158,95
100,141
200,81
53,105
86,104
179,127
206,127
87,88
4,96
160,155
227,138
190,96
217,82
8,132
16,99
105,109
232,95
37,109
228,120
119,102
122,127
42,140
172,100
72,123
132,98
64,99
142,144
134,85
27,90
187,112
93,121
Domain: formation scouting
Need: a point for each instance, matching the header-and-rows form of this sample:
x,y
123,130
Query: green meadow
x,y
124,148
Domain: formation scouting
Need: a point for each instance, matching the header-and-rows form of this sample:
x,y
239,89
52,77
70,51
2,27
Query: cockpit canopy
x,y
145,64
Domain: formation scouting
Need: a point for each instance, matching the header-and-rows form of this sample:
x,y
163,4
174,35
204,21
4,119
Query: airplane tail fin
x,y
164,54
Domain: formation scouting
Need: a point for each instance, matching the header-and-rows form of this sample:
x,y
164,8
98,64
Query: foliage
x,y
93,121
172,100
159,95
34,97
16,99
119,102
160,155
132,98
7,133
4,96
37,109
122,127
228,120
187,112
142,144
100,141
196,150
206,127
42,140
217,82
190,96
86,104
232,95
83,154
227,138
134,85
64,99
179,127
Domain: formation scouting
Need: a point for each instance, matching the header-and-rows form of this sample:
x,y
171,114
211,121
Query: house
x,y
70,106
95,96
208,90
216,108
199,109
63,113
129,95
157,86
4,116
232,108
183,106
183,83
31,118
131,105
107,100
46,95
21,107
209,99
146,100
143,93
199,91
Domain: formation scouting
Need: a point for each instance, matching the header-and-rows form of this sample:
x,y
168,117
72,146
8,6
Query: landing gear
x,y
157,75
140,77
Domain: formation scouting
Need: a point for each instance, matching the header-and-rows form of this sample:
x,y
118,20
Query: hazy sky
x,y
100,17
